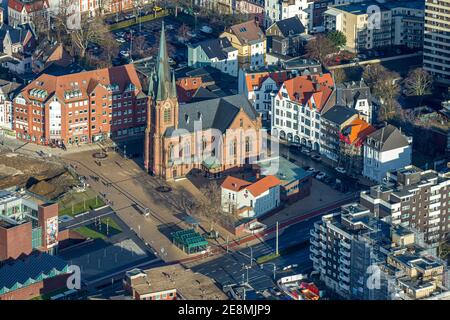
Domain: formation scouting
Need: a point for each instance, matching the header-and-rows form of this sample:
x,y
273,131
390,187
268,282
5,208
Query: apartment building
x,y
23,11
216,53
384,150
413,198
8,90
250,41
356,95
298,107
373,25
253,8
436,48
351,247
285,37
81,107
332,123
276,10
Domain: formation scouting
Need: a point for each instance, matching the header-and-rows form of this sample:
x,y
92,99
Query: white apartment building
x,y
7,91
249,199
298,106
385,150
276,10
436,48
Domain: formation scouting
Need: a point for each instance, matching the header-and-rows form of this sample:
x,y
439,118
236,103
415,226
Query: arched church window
x,y
167,115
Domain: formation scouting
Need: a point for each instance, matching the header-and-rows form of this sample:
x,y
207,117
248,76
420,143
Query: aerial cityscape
x,y
263,150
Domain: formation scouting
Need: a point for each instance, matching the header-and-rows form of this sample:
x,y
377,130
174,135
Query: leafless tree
x,y
183,32
209,206
418,82
320,49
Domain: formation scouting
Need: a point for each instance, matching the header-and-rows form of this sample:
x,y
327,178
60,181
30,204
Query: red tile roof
x,y
256,79
301,89
235,184
35,6
263,185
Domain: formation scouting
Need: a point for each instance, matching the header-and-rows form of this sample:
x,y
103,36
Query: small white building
x,y
250,199
385,150
276,10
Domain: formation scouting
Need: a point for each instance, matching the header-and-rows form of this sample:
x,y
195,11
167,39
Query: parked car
x,y
306,151
316,157
206,29
320,175
340,170
170,27
121,40
125,53
311,169
191,34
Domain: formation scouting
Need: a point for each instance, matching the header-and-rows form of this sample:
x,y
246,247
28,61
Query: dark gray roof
x,y
291,26
349,92
31,266
387,138
214,48
214,113
339,114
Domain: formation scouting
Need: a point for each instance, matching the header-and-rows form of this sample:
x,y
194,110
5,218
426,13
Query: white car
x,y
320,175
191,34
340,170
121,40
169,27
316,157
124,53
306,151
206,29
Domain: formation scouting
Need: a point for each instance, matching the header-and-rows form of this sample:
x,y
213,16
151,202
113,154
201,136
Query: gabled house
x,y
284,37
217,53
8,90
250,41
356,95
298,107
23,11
385,150
18,44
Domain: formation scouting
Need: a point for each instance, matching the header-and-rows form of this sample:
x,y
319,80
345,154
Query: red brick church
x,y
214,135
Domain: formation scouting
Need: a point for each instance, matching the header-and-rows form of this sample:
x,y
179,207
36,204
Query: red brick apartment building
x,y
82,107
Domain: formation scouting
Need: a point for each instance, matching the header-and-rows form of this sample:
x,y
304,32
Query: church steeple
x,y
164,87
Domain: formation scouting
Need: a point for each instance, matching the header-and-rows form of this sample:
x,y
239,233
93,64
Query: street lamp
x,y
274,268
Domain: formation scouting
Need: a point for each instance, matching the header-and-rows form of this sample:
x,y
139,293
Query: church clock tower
x,y
162,110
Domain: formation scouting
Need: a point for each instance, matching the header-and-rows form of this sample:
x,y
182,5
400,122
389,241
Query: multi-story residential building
x,y
8,90
259,86
81,107
350,247
356,95
250,41
276,10
298,106
370,24
331,125
384,150
253,8
250,199
284,37
216,53
414,198
436,47
352,138
23,11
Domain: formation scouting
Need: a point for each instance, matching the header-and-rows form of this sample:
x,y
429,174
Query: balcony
x,y
344,253
344,269
313,233
344,261
314,242
344,286
314,258
343,277
345,244
314,250
323,237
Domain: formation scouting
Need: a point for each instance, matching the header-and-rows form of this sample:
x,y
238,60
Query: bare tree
x,y
339,75
384,86
320,49
209,205
183,32
418,82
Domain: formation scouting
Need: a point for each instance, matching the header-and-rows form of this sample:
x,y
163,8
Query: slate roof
x,y
290,26
247,32
215,113
339,114
349,92
388,138
29,267
215,48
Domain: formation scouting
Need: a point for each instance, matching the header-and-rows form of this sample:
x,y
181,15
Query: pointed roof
x,y
164,87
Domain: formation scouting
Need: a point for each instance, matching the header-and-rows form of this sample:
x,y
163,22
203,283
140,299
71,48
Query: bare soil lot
x,y
44,178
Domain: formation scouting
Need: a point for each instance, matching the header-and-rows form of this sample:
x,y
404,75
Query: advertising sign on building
x,y
52,231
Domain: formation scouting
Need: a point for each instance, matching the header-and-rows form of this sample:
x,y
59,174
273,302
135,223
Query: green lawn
x,y
111,224
82,206
267,258
89,233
